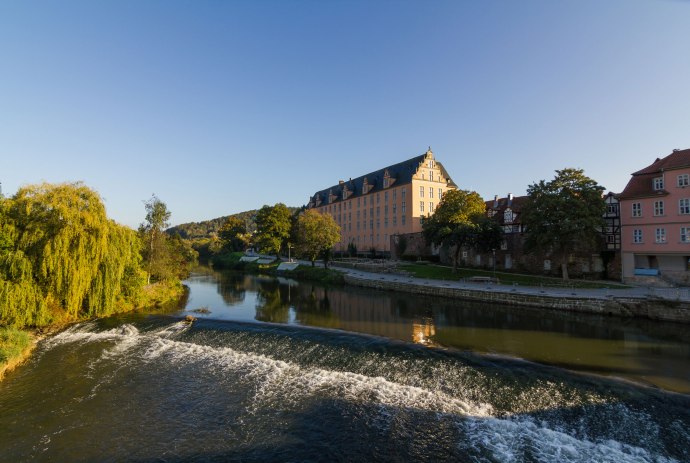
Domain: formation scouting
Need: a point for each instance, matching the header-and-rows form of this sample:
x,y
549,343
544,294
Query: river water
x,y
273,370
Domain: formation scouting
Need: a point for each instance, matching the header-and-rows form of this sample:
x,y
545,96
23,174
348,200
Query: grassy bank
x,y
15,347
16,344
231,261
440,272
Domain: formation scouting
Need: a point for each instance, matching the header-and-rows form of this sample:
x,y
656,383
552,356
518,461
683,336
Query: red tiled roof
x,y
642,182
676,160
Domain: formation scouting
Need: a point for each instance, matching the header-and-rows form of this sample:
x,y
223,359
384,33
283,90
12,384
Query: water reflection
x,y
642,350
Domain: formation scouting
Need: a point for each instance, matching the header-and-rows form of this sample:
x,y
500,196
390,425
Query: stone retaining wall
x,y
656,309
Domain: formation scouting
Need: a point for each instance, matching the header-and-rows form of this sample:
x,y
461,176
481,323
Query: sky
x,y
218,107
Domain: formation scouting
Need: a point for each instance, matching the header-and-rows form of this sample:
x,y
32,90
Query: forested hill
x,y
196,230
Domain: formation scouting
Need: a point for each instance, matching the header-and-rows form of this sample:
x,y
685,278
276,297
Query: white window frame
x,y
660,235
421,191
684,206
683,180
658,208
685,234
637,235
637,209
658,183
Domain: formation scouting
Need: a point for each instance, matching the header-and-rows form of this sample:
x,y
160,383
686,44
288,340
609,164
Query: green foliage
x,y
233,235
563,214
13,345
272,228
62,258
209,228
316,233
458,222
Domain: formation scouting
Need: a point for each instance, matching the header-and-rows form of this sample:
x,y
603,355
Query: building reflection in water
x,y
423,330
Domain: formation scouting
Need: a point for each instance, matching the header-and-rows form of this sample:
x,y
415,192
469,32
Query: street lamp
x,y
289,246
494,251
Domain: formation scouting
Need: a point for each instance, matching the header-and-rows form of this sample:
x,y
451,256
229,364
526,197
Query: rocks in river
x,y
203,310
189,319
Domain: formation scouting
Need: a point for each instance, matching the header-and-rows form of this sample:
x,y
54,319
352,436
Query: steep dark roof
x,y
499,205
401,172
642,182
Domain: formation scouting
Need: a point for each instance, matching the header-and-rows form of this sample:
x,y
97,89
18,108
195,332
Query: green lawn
x,y
440,272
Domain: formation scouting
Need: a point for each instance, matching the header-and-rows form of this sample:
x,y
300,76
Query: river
x,y
274,370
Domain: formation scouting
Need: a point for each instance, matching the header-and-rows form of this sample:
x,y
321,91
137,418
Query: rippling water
x,y
154,388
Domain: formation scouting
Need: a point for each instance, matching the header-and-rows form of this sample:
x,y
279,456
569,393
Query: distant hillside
x,y
196,230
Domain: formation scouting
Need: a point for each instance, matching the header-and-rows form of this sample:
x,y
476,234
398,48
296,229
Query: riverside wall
x,y
643,307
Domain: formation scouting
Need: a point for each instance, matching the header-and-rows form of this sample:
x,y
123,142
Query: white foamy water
x,y
288,384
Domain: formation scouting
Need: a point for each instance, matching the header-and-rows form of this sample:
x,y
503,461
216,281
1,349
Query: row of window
x,y
363,200
660,235
363,224
682,181
363,239
431,192
659,209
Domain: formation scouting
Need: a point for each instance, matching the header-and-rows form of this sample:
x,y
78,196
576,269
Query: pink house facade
x,y
655,220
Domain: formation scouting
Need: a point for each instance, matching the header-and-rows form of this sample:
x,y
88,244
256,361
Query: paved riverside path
x,y
585,293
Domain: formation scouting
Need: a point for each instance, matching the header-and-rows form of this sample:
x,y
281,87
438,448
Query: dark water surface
x,y
285,372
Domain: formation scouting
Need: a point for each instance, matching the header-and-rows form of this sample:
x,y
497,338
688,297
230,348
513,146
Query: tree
x,y
564,213
233,234
156,252
272,228
456,221
62,258
316,234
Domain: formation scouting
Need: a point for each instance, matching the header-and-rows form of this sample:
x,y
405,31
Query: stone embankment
x,y
623,304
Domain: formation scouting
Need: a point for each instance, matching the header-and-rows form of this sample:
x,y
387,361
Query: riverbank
x,y
304,272
15,347
631,302
17,344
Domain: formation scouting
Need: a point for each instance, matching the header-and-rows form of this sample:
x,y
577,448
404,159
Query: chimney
x,y
340,182
495,201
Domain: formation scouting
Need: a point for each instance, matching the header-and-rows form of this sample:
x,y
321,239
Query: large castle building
x,y
387,202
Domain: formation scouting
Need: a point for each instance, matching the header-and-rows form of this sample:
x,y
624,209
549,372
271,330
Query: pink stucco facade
x,y
655,220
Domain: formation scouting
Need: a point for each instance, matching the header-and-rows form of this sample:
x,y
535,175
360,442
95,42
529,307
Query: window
x,y
395,196
385,197
612,209
658,208
378,211
421,206
637,210
683,180
660,235
421,191
385,222
637,235
659,183
504,245
684,206
395,220
403,194
685,234
402,219
378,198
431,206
431,192
403,208
365,200
431,175
440,194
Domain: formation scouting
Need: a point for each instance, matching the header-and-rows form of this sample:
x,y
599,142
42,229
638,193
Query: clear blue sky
x,y
220,107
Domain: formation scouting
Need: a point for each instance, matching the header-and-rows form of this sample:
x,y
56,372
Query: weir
x,y
291,391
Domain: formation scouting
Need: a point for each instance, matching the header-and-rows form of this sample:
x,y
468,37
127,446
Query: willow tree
x,y
61,257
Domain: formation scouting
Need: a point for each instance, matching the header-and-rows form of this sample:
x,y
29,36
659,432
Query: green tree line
x,y
63,259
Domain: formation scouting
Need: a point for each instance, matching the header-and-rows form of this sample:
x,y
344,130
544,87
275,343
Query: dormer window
x,y
659,183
